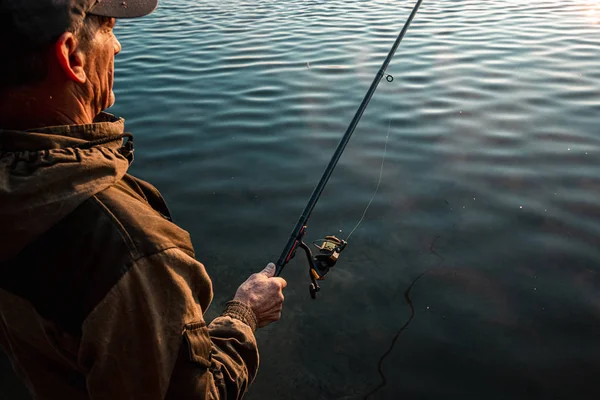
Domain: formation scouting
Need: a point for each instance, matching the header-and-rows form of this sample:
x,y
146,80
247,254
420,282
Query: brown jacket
x,y
100,294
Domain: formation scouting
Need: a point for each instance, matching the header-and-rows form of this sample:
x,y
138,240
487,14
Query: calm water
x,y
491,183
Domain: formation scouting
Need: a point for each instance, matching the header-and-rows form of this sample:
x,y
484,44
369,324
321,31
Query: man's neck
x,y
29,108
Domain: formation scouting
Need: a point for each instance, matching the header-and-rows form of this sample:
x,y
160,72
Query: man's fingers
x,y
264,291
272,310
276,317
269,270
273,316
282,282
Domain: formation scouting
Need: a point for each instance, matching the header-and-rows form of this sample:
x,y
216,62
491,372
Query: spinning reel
x,y
319,264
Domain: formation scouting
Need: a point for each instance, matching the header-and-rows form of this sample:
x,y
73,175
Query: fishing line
x,y
378,182
409,301
329,250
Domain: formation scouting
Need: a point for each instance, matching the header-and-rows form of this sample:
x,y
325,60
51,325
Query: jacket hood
x,y
46,173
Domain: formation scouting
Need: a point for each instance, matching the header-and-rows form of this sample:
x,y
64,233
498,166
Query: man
x,y
100,294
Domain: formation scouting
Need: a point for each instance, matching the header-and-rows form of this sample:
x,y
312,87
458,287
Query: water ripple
x,y
238,105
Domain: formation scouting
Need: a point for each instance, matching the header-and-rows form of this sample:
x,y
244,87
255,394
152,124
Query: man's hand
x,y
264,294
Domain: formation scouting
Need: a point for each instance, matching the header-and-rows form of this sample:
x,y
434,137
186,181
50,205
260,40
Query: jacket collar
x,y
62,136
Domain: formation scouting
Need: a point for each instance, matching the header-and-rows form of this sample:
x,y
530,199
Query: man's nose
x,y
117,46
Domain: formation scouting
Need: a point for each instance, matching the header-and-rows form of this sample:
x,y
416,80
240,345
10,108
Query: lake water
x,y
491,183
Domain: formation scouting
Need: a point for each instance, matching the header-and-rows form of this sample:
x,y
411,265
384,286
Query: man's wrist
x,y
241,311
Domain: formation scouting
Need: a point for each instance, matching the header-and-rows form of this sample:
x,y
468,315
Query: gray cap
x,y
122,8
41,21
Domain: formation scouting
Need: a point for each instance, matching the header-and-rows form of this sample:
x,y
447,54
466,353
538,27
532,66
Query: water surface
x,y
491,183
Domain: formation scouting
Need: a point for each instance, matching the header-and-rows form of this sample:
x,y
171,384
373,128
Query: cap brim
x,y
124,8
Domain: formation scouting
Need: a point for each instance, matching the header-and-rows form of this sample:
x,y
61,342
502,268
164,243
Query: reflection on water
x,y
493,148
593,12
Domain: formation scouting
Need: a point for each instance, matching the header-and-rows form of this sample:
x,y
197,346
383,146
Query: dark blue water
x,y
491,183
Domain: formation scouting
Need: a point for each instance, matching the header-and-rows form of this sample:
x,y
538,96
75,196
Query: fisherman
x,y
100,294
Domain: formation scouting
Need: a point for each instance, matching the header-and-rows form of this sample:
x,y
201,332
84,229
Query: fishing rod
x,y
330,248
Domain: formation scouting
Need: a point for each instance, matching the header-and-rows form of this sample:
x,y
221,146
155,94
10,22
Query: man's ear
x,y
70,57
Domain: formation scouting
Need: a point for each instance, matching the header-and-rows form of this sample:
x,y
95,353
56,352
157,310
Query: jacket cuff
x,y
239,310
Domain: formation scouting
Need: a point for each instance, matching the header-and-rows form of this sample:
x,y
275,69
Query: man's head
x,y
63,48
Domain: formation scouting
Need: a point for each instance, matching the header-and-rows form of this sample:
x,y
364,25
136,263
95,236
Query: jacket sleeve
x,y
147,339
